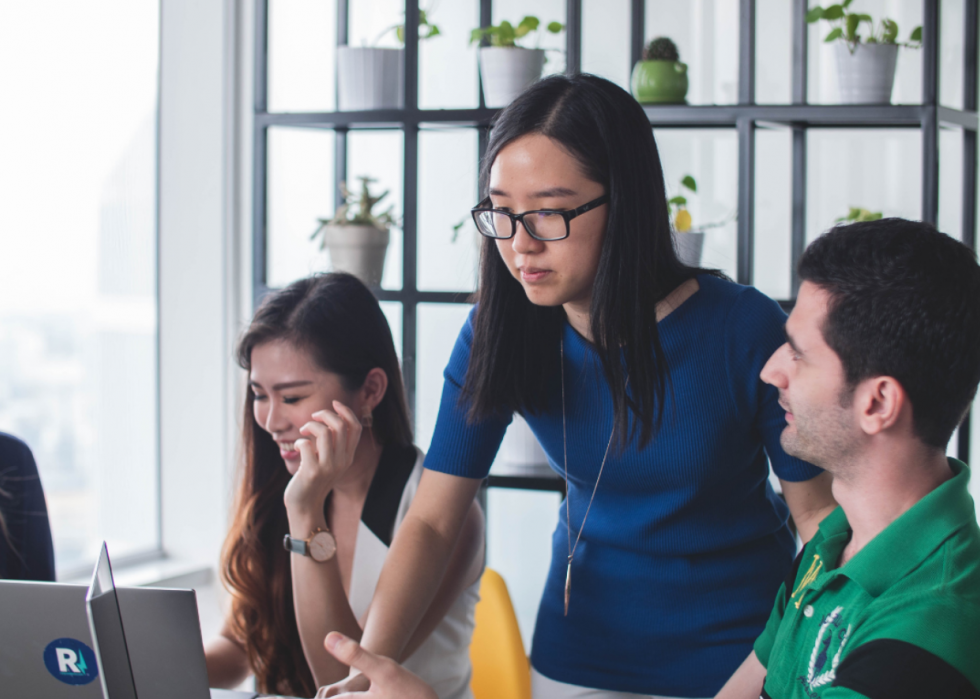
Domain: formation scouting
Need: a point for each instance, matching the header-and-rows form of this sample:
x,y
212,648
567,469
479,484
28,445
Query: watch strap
x,y
299,546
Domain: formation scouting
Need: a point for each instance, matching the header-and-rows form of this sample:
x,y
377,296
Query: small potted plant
x,y
506,68
356,237
865,61
660,77
371,77
688,239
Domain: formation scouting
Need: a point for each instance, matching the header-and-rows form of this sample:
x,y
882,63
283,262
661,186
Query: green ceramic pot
x,y
659,82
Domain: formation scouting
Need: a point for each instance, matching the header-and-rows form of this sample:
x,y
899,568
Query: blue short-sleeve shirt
x,y
686,543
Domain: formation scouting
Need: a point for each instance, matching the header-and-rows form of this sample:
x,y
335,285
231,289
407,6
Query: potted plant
x,y
506,68
688,240
371,77
660,77
356,237
865,63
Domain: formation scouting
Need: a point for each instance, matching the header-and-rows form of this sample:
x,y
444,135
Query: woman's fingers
x,y
320,433
307,452
353,424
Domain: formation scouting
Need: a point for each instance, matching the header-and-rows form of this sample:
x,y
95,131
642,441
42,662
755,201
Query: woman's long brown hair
x,y
338,321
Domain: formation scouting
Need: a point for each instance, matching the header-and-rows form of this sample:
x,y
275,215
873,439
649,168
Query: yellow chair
x,y
500,667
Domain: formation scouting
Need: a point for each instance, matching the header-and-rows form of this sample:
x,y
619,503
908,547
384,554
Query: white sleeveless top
x,y
443,660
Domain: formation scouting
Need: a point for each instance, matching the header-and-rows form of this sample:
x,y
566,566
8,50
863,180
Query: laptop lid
x,y
108,633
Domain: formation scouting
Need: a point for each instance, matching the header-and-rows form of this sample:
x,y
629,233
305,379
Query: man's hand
x,y
388,679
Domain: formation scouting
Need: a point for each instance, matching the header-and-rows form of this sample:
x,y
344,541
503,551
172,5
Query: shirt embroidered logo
x,y
821,650
811,574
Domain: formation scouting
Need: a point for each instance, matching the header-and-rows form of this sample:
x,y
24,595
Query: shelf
x,y
660,116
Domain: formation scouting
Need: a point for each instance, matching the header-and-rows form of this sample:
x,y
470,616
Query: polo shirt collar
x,y
907,541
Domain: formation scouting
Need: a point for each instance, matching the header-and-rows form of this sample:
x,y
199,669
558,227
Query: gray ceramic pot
x,y
370,78
867,75
689,246
359,250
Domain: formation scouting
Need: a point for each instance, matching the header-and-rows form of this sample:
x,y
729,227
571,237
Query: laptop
x,y
47,649
135,665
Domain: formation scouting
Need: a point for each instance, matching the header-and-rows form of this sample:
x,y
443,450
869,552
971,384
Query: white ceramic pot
x,y
359,250
370,78
867,75
689,246
507,71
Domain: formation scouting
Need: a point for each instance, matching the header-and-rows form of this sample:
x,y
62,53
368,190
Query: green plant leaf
x,y
400,33
833,12
873,216
852,24
505,34
916,34
846,3
834,34
814,14
889,31
689,182
677,201
528,24
423,18
477,34
556,27
433,31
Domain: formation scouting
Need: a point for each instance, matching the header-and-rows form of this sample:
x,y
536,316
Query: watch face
x,y
322,547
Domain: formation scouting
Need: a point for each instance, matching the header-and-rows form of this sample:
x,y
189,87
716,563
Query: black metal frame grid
x,y
744,117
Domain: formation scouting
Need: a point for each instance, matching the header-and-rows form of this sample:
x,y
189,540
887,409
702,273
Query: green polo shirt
x,y
900,619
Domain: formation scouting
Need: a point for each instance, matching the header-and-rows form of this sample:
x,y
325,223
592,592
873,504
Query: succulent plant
x,y
356,211
660,49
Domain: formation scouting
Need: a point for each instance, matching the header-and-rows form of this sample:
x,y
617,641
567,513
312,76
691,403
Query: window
x,y
78,261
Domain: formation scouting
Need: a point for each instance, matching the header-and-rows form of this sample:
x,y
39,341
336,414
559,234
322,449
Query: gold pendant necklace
x,y
568,516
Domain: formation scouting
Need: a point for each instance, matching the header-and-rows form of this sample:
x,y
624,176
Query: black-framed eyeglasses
x,y
542,224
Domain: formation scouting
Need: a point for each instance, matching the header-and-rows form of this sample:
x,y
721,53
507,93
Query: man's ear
x,y
374,387
880,404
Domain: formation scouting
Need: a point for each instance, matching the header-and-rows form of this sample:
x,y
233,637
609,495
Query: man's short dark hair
x,y
905,303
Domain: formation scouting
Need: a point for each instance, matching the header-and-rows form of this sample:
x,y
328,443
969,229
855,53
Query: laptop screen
x,y
108,635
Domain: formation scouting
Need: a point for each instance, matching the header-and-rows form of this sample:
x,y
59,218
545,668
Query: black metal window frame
x,y
744,117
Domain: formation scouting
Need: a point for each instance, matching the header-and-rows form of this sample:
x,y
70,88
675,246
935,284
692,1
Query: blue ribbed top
x,y
686,544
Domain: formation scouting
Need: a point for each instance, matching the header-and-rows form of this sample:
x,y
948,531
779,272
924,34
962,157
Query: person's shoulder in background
x,y
26,549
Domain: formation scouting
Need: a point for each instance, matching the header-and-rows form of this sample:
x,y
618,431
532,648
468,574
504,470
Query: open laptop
x,y
150,666
47,649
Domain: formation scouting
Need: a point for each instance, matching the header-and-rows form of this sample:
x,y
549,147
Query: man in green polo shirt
x,y
881,362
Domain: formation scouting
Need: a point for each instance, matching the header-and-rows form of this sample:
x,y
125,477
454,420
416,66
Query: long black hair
x,y
515,344
339,322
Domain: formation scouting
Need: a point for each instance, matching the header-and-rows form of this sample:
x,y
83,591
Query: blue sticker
x,y
70,661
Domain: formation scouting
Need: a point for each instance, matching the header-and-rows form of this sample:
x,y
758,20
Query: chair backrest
x,y
500,666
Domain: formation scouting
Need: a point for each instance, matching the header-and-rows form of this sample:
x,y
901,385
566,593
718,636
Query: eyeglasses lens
x,y
546,226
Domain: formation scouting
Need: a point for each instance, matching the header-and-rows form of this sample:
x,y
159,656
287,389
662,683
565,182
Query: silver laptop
x,y
47,649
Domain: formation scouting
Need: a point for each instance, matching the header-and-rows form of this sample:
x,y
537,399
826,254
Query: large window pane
x,y
822,65
439,325
951,182
773,51
773,212
447,62
301,189
302,55
868,169
448,252
606,40
951,55
380,156
78,322
711,158
706,34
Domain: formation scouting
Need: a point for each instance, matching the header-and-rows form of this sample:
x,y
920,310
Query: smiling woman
x,y
329,464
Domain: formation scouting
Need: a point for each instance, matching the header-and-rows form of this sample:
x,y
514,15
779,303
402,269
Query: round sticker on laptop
x,y
70,661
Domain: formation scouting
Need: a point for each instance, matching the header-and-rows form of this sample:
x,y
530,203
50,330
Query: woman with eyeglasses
x,y
639,376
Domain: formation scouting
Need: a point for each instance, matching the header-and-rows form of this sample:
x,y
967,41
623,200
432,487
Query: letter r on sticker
x,y
67,660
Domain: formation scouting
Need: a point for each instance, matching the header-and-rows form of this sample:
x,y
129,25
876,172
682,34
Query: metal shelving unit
x,y
745,117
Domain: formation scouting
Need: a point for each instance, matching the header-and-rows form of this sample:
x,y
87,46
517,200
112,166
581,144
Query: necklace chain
x,y
568,517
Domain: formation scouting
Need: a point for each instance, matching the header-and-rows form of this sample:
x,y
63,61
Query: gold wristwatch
x,y
321,546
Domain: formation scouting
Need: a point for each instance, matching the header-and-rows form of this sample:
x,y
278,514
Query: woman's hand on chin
x,y
381,678
326,452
